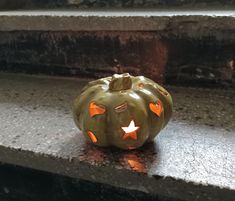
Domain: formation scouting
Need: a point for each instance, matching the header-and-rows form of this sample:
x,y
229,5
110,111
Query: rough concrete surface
x,y
118,20
193,158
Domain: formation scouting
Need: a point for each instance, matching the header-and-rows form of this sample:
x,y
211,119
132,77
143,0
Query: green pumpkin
x,y
122,111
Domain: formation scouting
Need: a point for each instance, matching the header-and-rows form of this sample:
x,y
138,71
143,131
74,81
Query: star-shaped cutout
x,y
130,131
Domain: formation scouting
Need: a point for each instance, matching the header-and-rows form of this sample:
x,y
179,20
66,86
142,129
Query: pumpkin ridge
x,y
155,123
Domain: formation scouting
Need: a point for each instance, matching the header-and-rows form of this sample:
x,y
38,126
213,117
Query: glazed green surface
x,y
133,95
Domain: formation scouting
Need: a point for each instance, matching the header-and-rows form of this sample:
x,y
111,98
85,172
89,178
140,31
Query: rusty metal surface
x,y
192,159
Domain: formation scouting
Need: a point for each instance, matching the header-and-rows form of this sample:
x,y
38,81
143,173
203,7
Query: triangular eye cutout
x,y
156,108
95,109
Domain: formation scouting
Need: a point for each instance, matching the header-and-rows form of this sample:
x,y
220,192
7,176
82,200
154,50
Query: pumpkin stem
x,y
120,82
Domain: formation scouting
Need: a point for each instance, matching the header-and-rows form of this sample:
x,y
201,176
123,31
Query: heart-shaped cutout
x,y
156,108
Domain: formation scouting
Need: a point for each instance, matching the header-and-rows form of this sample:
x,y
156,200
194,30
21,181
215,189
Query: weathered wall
x,y
12,4
83,53
204,60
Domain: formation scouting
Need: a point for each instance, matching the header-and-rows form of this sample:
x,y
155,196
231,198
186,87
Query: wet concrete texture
x,y
192,158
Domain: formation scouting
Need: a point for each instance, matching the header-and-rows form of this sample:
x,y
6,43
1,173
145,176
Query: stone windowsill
x,y
192,157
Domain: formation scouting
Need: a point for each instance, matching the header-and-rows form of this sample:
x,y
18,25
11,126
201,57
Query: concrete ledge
x,y
193,158
128,20
21,184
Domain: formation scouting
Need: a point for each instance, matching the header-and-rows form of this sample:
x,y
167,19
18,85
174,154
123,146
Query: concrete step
x,y
35,4
175,21
21,184
192,158
177,47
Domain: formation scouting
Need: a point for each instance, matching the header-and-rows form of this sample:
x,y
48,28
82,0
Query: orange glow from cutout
x,y
135,162
130,148
130,131
136,165
156,108
95,109
92,137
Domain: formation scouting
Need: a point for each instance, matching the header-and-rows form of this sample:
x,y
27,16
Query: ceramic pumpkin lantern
x,y
122,111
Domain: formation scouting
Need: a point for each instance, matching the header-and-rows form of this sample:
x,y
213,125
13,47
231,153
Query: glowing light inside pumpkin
x,y
130,131
95,109
92,137
156,108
